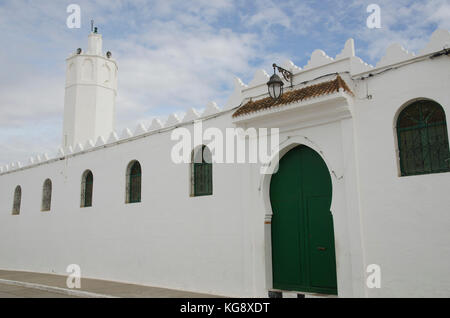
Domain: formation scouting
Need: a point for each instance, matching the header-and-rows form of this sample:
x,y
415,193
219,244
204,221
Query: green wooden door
x,y
302,226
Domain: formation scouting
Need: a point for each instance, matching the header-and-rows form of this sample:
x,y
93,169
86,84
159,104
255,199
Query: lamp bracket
x,y
287,75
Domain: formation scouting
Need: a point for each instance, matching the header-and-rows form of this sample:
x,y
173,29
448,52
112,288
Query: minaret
x,y
91,89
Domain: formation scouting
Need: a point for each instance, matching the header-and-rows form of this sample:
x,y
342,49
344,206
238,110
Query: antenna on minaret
x,y
93,29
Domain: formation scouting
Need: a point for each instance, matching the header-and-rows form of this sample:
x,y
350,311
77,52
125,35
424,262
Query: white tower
x,y
91,89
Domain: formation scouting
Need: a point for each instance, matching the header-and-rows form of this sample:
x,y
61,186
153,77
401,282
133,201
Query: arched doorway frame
x,y
267,171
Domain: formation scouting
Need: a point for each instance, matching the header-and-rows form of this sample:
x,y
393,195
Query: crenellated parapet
x,y
155,125
190,115
395,53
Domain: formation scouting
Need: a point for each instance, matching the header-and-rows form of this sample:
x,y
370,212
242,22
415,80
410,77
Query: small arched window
x,y
87,186
134,180
47,196
423,139
17,200
201,172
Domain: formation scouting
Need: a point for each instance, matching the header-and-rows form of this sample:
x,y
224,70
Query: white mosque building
x,y
357,205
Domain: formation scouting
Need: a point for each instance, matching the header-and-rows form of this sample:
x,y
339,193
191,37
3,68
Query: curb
x,y
58,290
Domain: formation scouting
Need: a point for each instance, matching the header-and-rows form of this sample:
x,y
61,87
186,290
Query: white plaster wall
x,y
104,113
406,219
170,239
207,244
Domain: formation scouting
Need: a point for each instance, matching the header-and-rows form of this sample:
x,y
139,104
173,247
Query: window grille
x,y
47,196
134,182
423,139
202,174
17,200
87,186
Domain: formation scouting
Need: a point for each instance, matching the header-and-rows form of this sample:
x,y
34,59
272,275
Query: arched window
x,y
17,200
423,139
47,196
87,185
201,172
134,179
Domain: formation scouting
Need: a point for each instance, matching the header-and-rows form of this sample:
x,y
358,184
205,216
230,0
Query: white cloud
x,y
406,22
169,66
267,15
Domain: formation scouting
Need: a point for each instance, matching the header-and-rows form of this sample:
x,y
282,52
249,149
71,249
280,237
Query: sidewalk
x,y
12,291
56,284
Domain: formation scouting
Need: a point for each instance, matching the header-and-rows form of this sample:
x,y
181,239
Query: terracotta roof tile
x,y
308,92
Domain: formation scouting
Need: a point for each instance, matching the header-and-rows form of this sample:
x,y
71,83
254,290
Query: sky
x,y
174,55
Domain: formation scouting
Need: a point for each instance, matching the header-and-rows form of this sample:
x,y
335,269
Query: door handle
x,y
321,248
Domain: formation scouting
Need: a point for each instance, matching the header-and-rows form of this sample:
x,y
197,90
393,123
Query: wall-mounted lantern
x,y
275,84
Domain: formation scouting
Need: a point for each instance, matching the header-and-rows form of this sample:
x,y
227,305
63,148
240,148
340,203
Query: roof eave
x,y
298,105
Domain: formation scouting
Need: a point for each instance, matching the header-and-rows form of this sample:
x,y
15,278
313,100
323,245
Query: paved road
x,y
9,291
